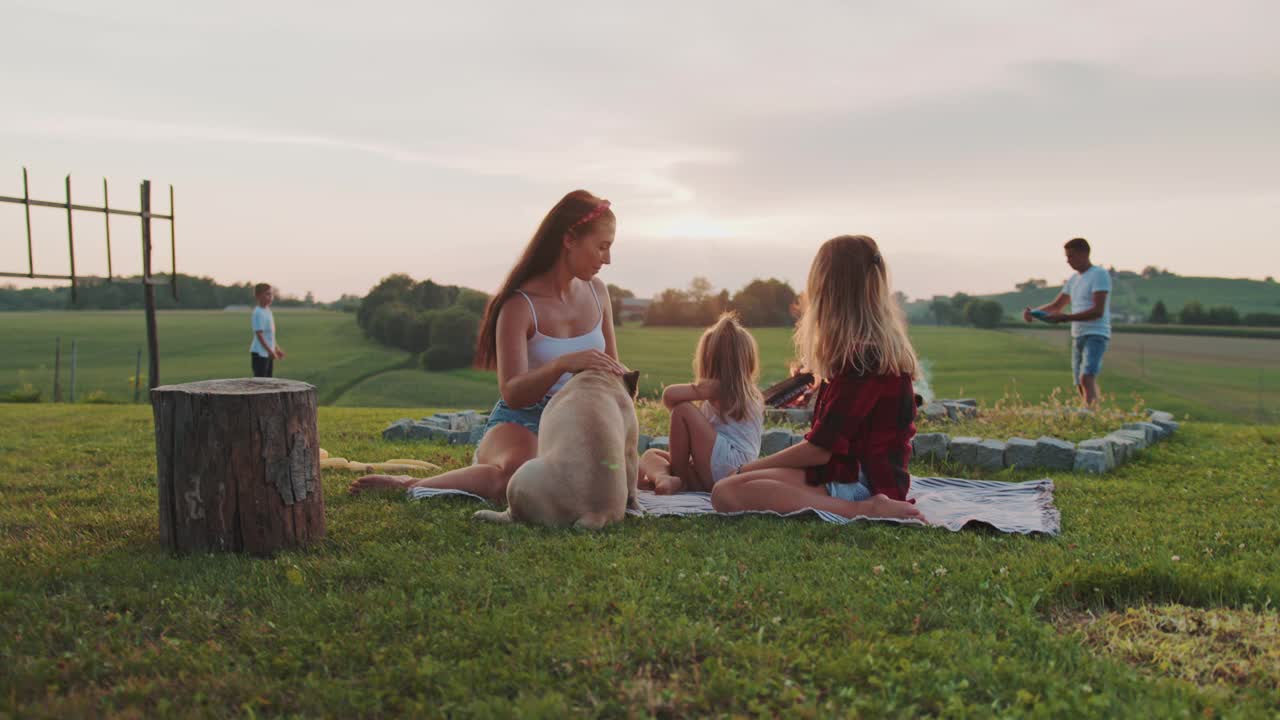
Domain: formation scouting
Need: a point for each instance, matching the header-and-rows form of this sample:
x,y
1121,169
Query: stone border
x,y
1095,455
464,427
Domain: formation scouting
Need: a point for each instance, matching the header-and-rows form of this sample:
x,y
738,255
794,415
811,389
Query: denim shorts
x,y
526,417
853,492
1086,355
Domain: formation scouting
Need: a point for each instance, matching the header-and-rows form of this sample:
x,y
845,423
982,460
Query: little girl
x,y
852,335
717,420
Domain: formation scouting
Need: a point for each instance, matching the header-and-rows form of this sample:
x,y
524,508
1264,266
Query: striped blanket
x,y
951,503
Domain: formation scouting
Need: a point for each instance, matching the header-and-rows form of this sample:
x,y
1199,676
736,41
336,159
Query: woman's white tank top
x,y
544,349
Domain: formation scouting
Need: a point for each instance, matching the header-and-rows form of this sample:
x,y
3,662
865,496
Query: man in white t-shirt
x,y
264,351
1089,292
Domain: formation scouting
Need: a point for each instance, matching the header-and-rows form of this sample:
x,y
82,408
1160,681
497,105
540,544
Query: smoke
x,y
922,385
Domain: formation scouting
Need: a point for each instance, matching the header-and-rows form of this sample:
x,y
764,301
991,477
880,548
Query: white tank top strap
x,y
596,295
532,310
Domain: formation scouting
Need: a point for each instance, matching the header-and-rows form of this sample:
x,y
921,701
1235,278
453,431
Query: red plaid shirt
x,y
865,420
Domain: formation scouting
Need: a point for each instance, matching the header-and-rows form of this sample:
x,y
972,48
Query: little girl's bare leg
x,y
654,465
692,441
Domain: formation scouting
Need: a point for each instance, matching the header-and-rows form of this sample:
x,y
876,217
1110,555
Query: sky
x,y
322,146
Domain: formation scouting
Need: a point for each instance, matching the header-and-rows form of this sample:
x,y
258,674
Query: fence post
x,y
74,347
26,203
57,369
71,250
1262,412
137,376
149,290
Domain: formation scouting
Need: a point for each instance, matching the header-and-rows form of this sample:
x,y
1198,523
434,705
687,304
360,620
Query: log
x,y
238,465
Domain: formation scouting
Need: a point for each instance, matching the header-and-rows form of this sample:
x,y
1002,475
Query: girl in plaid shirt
x,y
853,462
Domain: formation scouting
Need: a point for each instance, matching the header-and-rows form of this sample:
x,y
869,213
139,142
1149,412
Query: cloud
x,y
728,133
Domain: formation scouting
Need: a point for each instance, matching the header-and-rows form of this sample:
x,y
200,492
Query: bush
x,y
762,303
27,393
100,397
391,289
983,313
1192,314
1262,319
389,323
472,300
417,331
453,339
1159,314
1224,315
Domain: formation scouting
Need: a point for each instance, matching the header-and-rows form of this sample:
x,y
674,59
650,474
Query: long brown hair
x,y
728,352
850,321
539,256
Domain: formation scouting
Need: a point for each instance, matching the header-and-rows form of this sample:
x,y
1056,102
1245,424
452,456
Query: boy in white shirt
x,y
264,351
1089,292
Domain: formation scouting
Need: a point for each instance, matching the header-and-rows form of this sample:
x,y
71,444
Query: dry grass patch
x,y
1218,648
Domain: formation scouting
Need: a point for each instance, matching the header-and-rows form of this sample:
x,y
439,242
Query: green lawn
x,y
414,608
324,348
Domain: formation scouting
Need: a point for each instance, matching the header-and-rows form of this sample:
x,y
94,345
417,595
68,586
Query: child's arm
x,y
801,455
673,395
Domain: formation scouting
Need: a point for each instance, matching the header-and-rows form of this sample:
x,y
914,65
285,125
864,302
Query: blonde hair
x,y
850,321
727,352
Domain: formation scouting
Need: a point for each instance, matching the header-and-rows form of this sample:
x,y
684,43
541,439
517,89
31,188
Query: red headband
x,y
592,214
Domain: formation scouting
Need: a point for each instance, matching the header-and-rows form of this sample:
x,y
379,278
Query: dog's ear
x,y
632,381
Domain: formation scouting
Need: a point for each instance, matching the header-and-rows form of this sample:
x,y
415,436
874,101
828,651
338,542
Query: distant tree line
x,y
194,293
962,309
760,303
1194,313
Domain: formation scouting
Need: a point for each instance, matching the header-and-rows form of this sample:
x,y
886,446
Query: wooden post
x,y
106,218
26,206
238,465
57,369
137,376
173,247
149,290
71,244
74,344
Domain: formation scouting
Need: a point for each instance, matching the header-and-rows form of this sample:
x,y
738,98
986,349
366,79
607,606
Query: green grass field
x,y
416,609
324,348
1216,379
1138,295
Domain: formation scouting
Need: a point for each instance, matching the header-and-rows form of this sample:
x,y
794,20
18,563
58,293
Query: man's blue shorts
x,y
1086,355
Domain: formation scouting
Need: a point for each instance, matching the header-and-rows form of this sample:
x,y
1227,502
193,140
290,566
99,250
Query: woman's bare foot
x,y
883,507
667,485
380,482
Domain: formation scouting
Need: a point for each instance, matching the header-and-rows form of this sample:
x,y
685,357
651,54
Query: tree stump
x,y
238,465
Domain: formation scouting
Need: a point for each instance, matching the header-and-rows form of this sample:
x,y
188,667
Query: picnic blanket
x,y
951,503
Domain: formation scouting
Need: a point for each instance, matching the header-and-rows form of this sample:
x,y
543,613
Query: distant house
x,y
633,309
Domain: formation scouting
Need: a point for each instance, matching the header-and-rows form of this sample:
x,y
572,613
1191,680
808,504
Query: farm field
x,y
324,348
1228,378
1206,378
414,608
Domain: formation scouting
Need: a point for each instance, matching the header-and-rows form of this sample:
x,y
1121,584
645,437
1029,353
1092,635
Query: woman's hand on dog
x,y
590,360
